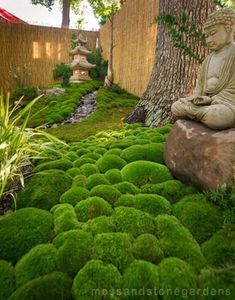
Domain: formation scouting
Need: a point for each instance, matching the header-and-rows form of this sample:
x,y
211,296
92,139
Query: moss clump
x,y
125,200
44,189
150,152
74,249
79,180
82,161
174,274
199,216
39,261
74,195
152,204
133,221
219,250
115,151
7,279
146,247
107,192
176,240
172,190
64,218
114,248
139,279
22,230
71,155
91,208
61,164
89,169
102,224
55,286
126,187
73,172
99,278
82,151
100,150
110,161
143,172
114,176
96,179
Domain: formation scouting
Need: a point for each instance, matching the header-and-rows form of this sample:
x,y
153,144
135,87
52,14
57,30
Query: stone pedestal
x,y
201,156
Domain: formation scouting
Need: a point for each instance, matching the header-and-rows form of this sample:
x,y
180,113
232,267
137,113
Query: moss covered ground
x,y
108,221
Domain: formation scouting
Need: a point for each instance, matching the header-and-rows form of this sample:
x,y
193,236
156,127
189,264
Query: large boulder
x,y
201,156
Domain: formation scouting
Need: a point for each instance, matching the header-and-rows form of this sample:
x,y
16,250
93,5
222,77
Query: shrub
x,y
146,247
44,189
133,221
73,172
64,72
126,188
125,200
39,261
79,180
199,216
96,179
74,250
61,164
110,161
113,176
22,230
74,195
100,70
142,172
29,93
7,279
82,161
104,277
102,224
55,286
107,192
91,208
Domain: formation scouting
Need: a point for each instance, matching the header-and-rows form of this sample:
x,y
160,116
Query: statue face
x,y
217,37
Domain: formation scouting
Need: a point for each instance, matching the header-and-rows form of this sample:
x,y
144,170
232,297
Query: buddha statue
x,y
213,101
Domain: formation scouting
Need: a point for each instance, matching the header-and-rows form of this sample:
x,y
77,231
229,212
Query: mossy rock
x,y
114,248
176,275
73,172
125,200
110,161
60,164
219,250
79,180
91,208
107,192
146,247
74,249
133,221
22,230
44,189
54,286
143,172
140,280
172,190
113,176
74,195
126,187
97,280
102,224
89,169
7,279
64,218
82,161
152,204
176,240
39,261
96,179
201,217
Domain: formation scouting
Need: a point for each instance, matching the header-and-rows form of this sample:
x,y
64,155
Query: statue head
x,y
219,28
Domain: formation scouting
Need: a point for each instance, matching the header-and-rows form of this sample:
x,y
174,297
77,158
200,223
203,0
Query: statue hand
x,y
202,100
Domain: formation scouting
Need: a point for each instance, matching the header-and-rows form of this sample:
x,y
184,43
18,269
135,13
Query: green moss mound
x,y
82,161
146,247
39,261
125,200
110,161
91,208
80,152
73,172
74,195
126,187
74,250
44,189
107,192
96,179
61,164
133,221
152,204
89,169
113,176
172,190
115,151
150,152
175,274
219,250
176,240
143,172
7,279
97,281
100,150
91,155
199,216
22,230
79,180
114,248
140,281
55,286
102,224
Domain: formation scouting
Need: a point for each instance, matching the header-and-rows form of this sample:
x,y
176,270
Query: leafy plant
x,y
20,75
64,72
28,93
100,71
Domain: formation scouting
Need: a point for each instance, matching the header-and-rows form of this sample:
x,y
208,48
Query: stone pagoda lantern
x,y
79,64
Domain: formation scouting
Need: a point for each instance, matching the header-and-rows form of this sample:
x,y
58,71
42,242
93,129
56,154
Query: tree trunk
x,y
174,74
109,77
65,14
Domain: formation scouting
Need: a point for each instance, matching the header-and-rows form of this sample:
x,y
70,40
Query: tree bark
x,y
65,14
109,77
174,74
